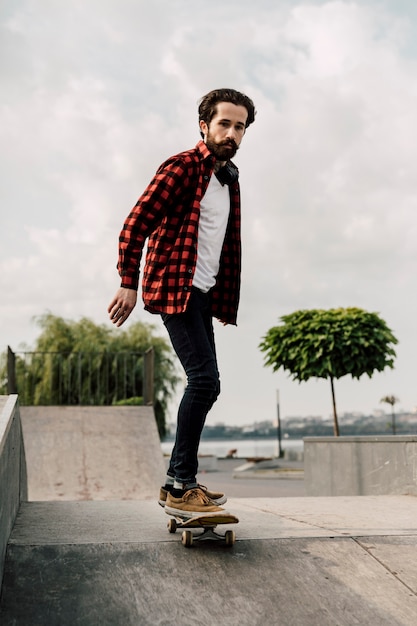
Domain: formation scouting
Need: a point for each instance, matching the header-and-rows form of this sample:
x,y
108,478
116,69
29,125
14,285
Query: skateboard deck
x,y
207,523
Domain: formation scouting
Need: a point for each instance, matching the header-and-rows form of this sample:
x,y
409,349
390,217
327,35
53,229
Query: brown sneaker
x,y
193,503
216,496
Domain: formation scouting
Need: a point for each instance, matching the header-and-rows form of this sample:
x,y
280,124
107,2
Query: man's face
x,y
225,131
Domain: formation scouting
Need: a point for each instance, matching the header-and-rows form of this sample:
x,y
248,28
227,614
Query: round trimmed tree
x,y
317,343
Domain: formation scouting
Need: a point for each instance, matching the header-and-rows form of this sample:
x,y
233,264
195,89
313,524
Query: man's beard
x,y
224,150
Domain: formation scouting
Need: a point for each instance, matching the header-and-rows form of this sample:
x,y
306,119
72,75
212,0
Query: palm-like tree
x,y
392,400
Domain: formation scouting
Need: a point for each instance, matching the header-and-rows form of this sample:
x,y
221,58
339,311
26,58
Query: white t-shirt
x,y
214,215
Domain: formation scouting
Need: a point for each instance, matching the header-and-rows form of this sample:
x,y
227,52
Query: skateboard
x,y
208,523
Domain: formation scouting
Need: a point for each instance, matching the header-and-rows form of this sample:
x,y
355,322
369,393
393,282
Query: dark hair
x,y
208,104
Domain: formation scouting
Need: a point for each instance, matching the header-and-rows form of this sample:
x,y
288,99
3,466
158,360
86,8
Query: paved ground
x,y
254,484
297,561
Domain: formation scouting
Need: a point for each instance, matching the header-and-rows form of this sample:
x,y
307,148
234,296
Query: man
x,y
190,214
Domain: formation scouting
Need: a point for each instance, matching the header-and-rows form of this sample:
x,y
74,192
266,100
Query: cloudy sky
x,y
97,93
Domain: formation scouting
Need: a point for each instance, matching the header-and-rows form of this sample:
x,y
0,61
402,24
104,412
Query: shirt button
x,y
190,271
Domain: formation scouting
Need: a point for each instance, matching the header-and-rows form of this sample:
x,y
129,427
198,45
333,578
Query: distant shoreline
x,y
169,438
242,448
370,430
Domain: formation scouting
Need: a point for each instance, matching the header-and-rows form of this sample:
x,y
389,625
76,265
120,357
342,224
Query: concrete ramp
x,y
92,453
296,562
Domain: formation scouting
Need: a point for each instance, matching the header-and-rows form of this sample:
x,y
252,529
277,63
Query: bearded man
x,y
190,215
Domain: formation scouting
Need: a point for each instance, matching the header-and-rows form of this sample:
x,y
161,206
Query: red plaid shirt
x,y
167,214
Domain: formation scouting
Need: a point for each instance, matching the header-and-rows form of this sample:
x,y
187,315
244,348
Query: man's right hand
x,y
122,305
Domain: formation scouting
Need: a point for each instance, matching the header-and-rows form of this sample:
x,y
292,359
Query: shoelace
x,y
196,494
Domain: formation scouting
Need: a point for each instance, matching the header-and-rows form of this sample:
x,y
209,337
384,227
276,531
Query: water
x,y
246,448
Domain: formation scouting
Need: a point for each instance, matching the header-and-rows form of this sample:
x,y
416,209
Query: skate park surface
x,y
86,558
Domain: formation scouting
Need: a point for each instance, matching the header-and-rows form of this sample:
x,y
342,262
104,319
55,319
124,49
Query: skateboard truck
x,y
207,524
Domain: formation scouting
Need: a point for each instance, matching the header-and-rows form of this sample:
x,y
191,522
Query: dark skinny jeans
x,y
192,338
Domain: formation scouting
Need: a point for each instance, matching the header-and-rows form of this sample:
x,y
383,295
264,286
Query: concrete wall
x,y
356,466
92,452
13,482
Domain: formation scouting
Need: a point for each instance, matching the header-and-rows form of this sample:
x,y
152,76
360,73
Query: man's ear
x,y
204,128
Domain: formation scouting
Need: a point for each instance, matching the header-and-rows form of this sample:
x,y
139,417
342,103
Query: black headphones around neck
x,y
228,174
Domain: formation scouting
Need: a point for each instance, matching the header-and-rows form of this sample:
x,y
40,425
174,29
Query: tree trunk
x,y
335,422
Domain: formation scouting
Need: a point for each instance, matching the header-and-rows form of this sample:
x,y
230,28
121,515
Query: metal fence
x,y
80,378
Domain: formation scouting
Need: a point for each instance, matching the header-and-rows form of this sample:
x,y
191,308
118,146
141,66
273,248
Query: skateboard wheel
x,y
230,537
172,525
187,538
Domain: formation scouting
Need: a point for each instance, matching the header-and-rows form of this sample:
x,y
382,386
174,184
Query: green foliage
x,y
135,401
390,400
80,362
329,344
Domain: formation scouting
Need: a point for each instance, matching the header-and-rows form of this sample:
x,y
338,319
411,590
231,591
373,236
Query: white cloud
x,y
96,97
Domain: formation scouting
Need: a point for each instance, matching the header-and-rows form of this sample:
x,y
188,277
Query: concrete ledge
x,y
13,482
357,466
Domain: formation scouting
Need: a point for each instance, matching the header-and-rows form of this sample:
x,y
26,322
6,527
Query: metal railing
x,y
80,378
